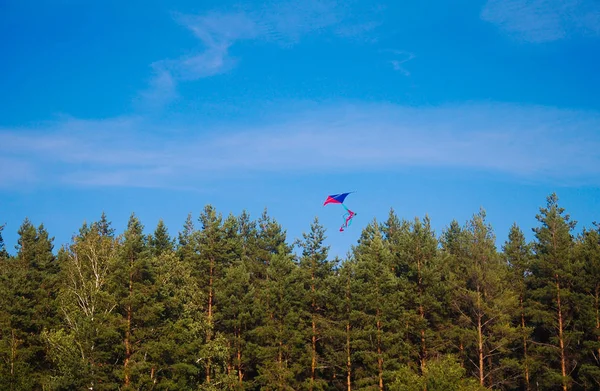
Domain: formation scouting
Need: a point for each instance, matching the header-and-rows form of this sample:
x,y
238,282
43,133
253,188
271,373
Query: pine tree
x,y
3,252
185,310
160,242
517,254
316,270
281,337
451,255
235,318
136,289
269,243
378,305
553,275
29,290
484,302
104,226
7,340
414,247
215,252
588,254
441,374
338,338
161,310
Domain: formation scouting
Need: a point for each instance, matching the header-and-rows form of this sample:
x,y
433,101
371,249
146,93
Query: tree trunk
x,y
379,356
210,315
313,364
348,357
422,315
480,338
238,355
230,364
128,329
210,289
597,298
527,386
561,340
13,352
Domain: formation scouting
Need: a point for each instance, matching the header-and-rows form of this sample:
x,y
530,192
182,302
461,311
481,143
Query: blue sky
x,y
428,107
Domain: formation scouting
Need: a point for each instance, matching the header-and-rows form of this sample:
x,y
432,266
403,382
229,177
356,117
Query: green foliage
x,y
229,306
483,303
160,242
442,374
554,292
378,316
3,252
27,299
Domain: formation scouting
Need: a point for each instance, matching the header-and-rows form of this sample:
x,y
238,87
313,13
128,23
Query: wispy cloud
x,y
528,142
400,57
217,32
280,22
14,172
544,20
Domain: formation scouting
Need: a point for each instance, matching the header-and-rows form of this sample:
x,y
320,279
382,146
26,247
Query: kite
x,y
339,199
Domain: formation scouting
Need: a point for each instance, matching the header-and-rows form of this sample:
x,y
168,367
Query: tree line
x,y
230,304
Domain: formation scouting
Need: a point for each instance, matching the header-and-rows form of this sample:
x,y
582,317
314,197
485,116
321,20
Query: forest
x,y
230,303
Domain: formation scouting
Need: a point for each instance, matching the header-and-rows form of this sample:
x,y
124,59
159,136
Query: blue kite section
x,y
336,198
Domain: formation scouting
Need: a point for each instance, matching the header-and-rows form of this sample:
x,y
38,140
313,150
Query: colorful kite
x,y
339,199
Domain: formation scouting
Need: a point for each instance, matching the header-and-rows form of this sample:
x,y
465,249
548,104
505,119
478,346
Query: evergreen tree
x,y
451,255
270,242
137,291
186,311
441,374
379,340
316,271
160,242
338,340
414,247
588,254
553,274
29,290
281,337
3,252
215,252
235,319
7,340
104,226
518,255
484,302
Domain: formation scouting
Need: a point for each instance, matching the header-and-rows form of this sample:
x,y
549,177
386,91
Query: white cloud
x,y
15,172
217,32
527,142
544,20
162,89
400,57
281,22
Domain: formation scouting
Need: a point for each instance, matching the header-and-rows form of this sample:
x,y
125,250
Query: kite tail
x,y
348,216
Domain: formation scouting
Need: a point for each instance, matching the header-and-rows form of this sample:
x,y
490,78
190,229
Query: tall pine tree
x,y
29,305
379,340
553,275
588,253
484,302
518,256
316,270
